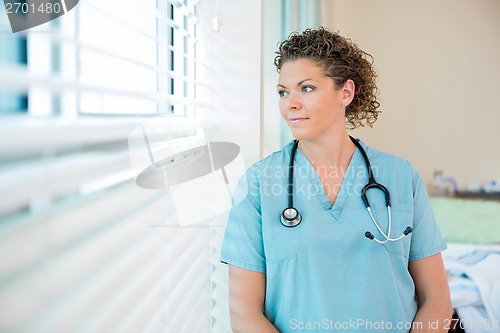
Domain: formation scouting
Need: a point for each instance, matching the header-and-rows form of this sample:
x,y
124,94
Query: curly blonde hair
x,y
342,60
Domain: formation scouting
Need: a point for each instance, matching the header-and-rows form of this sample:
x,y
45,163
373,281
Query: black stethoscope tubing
x,y
290,217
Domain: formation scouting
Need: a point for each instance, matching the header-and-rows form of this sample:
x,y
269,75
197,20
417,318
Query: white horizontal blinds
x,y
45,79
191,54
117,52
123,49
82,247
71,252
121,57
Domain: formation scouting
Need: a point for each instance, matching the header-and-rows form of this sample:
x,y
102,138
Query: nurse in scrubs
x,y
325,274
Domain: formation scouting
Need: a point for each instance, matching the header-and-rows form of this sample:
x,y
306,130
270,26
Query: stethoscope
x,y
291,216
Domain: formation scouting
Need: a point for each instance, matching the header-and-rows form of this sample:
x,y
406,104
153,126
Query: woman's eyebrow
x,y
282,86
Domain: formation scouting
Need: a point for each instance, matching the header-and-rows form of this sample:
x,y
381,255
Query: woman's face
x,y
309,101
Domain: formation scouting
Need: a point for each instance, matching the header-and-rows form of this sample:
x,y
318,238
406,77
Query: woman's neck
x,y
329,152
330,159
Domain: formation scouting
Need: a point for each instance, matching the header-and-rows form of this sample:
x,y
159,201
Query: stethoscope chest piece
x,y
290,217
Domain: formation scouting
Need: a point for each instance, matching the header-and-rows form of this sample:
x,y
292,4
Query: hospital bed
x,y
471,228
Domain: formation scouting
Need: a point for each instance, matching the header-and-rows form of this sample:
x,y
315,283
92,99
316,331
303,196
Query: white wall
x,y
237,76
272,125
439,76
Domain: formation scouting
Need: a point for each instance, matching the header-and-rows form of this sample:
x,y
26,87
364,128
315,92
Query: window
x,y
79,242
12,53
125,57
139,65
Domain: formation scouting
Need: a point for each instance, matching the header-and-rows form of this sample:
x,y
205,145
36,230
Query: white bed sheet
x,y
474,279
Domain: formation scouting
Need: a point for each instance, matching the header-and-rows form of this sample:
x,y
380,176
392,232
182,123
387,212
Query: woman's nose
x,y
294,102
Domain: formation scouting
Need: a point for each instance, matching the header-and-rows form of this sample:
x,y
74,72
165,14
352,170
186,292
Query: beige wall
x,y
439,76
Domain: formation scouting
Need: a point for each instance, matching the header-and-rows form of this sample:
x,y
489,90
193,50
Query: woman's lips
x,y
297,120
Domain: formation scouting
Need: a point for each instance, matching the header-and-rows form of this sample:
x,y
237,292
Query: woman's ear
x,y
348,92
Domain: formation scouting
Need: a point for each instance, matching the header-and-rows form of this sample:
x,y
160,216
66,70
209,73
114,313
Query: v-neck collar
x,y
347,183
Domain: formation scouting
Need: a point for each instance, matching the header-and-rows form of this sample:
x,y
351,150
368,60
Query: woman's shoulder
x,y
390,161
271,168
277,159
383,156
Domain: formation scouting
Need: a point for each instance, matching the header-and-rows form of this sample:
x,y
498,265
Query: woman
x,y
337,266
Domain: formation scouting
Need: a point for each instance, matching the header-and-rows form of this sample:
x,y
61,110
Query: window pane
x,y
118,57
12,53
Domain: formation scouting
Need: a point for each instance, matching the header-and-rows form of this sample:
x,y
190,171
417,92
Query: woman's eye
x,y
282,93
307,89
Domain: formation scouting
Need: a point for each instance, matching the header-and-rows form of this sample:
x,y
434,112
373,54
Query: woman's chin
x,y
301,135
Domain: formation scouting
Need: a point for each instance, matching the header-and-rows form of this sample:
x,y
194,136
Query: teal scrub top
x,y
324,274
